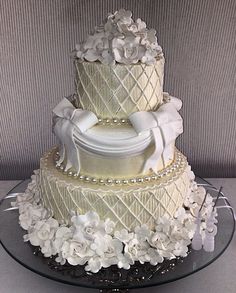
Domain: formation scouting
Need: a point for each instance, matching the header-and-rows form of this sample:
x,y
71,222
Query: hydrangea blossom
x,y
120,39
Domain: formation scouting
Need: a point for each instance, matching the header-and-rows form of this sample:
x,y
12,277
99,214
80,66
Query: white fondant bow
x,y
165,124
69,118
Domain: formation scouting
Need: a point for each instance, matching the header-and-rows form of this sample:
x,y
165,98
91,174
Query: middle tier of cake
x,y
116,152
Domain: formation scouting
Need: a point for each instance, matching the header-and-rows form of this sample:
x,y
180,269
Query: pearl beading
x,y
179,162
113,121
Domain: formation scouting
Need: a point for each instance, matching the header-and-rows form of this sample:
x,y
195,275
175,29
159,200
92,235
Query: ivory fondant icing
x,y
119,90
128,205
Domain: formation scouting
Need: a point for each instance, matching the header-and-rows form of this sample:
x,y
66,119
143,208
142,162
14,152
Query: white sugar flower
x,y
79,51
62,234
122,20
154,256
181,214
120,39
107,58
163,224
60,259
109,226
181,248
97,41
48,249
141,25
137,250
199,195
190,227
76,252
110,28
123,235
94,264
88,226
190,173
142,233
149,57
42,231
157,239
125,260
177,232
123,15
95,48
127,50
30,214
108,249
150,39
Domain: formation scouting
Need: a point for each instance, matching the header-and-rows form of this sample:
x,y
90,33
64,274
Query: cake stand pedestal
x,y
111,279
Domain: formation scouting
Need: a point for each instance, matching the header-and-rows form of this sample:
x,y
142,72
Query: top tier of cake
x,y
119,68
116,91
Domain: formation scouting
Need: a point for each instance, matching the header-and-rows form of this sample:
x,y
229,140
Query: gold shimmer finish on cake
x,y
128,206
116,91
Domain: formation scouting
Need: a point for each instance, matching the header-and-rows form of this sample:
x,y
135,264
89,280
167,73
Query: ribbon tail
x,y
57,131
151,163
73,158
72,153
167,154
170,132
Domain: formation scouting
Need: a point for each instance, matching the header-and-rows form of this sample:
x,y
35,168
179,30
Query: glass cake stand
x,y
111,279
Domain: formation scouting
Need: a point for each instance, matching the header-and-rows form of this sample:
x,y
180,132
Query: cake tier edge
x,y
127,205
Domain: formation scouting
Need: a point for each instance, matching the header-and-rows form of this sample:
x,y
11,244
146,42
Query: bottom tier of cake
x,y
128,203
96,243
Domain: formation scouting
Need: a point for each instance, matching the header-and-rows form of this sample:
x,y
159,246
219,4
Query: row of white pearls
x,y
178,163
113,121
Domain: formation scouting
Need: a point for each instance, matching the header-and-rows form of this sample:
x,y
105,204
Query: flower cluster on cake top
x,y
120,39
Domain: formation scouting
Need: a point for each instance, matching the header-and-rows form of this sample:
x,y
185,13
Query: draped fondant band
x,y
165,124
68,119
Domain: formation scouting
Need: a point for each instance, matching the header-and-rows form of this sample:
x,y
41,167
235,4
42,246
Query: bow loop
x,y
165,124
142,121
68,114
68,119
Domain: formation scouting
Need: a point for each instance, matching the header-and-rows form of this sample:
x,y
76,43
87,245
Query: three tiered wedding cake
x,y
116,190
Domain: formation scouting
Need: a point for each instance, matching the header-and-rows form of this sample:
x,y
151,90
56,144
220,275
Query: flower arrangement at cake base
x,y
92,242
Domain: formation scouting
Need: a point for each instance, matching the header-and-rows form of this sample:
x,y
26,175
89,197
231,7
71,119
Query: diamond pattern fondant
x,y
119,90
127,207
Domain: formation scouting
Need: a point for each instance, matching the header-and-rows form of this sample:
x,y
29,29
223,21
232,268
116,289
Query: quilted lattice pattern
x,y
119,90
127,207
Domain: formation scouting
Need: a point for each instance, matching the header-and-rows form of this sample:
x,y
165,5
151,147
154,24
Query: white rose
x,y
88,225
138,250
76,252
127,50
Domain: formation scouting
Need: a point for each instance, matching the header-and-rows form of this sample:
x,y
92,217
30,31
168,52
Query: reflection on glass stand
x,y
113,279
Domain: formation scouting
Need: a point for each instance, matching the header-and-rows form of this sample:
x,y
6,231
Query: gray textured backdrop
x,y
198,38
